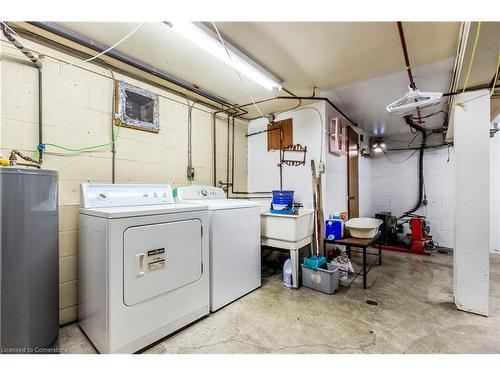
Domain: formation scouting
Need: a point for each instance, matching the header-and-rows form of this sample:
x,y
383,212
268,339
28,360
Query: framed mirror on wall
x,y
138,108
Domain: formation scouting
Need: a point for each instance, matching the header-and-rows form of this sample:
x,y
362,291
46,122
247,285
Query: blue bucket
x,y
283,198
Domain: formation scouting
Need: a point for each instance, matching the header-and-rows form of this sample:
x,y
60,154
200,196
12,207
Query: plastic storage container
x,y
323,280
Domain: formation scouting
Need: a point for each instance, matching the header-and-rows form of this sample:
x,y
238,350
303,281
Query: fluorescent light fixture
x,y
206,39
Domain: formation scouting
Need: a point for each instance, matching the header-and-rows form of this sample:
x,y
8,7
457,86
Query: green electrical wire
x,y
83,149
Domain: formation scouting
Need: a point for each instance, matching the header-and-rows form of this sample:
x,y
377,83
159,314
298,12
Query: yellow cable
x,y
496,75
472,56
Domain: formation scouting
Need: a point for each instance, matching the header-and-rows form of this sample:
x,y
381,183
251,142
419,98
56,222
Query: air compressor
x,y
419,241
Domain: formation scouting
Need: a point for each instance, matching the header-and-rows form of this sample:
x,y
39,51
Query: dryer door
x,y
160,258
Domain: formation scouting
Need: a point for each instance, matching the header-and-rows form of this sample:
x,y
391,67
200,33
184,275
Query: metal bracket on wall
x,y
297,148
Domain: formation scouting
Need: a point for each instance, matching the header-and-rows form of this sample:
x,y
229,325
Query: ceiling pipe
x,y
99,47
407,62
319,98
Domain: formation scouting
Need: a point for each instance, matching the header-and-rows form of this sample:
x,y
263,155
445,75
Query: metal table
x,y
362,243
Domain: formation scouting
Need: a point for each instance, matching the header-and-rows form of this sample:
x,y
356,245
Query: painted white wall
x,y
335,188
365,187
471,120
394,188
495,193
263,173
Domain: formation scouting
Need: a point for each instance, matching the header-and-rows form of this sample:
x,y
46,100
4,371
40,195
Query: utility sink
x,y
287,231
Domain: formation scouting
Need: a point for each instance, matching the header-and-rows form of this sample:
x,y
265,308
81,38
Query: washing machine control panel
x,y
116,195
200,192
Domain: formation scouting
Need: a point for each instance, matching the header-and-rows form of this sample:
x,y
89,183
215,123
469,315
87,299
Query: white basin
x,y
363,227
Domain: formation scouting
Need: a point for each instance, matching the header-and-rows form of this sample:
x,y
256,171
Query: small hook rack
x,y
297,148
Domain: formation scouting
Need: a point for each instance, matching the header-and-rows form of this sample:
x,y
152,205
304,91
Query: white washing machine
x,y
234,242
143,265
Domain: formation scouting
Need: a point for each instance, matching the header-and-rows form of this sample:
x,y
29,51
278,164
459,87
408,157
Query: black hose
x,y
412,125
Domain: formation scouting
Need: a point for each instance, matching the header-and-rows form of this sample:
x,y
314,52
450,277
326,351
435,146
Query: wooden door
x,y
352,173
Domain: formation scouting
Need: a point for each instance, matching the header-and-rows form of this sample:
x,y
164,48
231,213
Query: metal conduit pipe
x,y
227,153
407,63
36,61
38,64
300,98
40,114
231,182
99,47
214,156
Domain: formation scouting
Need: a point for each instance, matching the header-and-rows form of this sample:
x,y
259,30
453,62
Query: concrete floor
x,y
415,314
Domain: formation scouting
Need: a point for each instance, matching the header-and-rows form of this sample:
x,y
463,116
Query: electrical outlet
x,y
321,167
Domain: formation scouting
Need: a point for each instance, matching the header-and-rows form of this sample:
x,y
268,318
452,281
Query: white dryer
x,y
235,267
143,265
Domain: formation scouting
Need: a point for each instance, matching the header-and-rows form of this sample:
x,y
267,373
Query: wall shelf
x,y
337,136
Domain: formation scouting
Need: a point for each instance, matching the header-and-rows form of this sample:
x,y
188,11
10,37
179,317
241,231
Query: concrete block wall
x,y
77,99
394,187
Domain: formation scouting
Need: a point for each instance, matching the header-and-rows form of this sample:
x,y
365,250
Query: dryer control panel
x,y
118,195
197,192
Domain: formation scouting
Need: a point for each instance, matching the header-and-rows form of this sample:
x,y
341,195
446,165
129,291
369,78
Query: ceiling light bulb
x,y
210,44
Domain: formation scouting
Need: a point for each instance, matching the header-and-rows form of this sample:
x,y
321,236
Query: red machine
x,y
419,236
418,242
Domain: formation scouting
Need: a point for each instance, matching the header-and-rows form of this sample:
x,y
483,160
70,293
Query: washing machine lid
x,y
135,211
225,204
213,197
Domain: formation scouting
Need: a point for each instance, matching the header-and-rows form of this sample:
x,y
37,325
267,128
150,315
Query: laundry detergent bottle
x,y
287,273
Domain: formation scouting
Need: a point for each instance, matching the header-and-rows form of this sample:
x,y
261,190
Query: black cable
x,y
420,129
400,161
429,115
416,135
